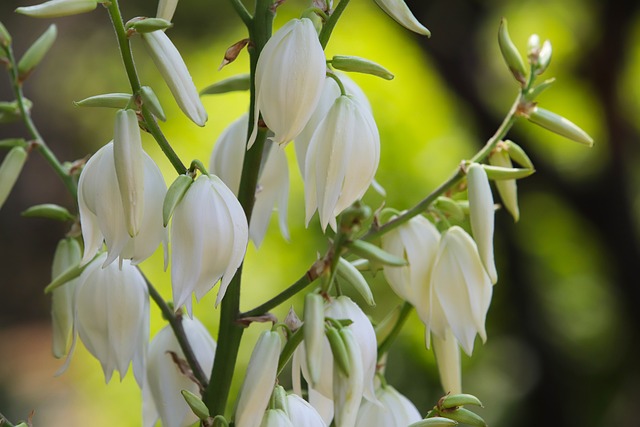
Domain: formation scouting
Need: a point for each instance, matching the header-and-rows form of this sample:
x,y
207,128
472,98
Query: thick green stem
x,y
242,12
455,178
134,81
388,341
230,333
4,422
328,27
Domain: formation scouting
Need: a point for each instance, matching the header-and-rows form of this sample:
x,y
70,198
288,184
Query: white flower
x,y
393,410
482,216
161,398
112,316
462,289
301,413
342,159
289,78
166,9
67,255
330,92
259,381
102,214
176,75
273,184
447,352
400,12
58,8
209,238
276,418
348,390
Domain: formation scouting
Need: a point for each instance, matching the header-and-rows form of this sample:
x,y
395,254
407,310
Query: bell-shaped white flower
x,y
209,237
161,397
259,380
67,255
393,410
342,159
176,75
276,418
447,352
102,214
400,12
273,183
301,413
330,92
112,316
289,79
462,289
482,216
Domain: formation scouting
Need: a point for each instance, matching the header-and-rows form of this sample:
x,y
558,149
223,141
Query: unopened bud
x,y
360,65
219,421
455,400
147,25
196,404
511,54
500,173
339,350
450,207
48,210
518,155
558,124
58,8
174,194
374,253
5,37
292,320
482,216
10,170
435,422
313,334
152,102
465,416
109,100
232,84
10,112
533,45
507,189
544,57
36,52
350,274
232,53
279,399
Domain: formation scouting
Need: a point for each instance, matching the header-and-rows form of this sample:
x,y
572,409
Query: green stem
x,y
328,26
388,341
230,332
455,178
134,81
40,144
4,422
178,330
242,12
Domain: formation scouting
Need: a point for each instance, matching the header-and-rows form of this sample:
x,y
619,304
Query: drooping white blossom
x,y
209,237
447,352
112,316
482,216
341,161
102,215
259,381
393,410
289,79
348,389
68,254
276,418
301,413
462,289
161,397
175,74
400,12
330,92
273,183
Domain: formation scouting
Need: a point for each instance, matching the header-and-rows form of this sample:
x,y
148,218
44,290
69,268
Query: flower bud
x,y
348,389
518,155
259,380
453,400
313,335
507,188
339,350
560,125
393,410
240,82
109,100
275,418
176,75
129,162
5,37
36,52
360,65
482,216
435,422
289,79
67,255
465,416
400,12
152,102
511,54
175,193
58,8
148,25
48,210
10,171
350,274
209,237
196,404
544,57
374,253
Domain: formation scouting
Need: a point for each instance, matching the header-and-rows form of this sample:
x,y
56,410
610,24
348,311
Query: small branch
x,y
176,324
242,12
402,318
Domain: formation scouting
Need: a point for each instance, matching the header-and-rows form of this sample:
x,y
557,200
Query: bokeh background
x,y
564,326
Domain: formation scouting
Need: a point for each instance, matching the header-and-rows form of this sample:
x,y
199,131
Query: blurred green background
x,y
564,326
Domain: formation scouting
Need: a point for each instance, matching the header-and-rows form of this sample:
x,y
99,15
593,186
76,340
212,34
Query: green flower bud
x,y
5,37
518,155
450,207
435,422
220,421
174,196
465,416
507,188
500,173
196,404
455,400
313,334
147,25
511,54
544,57
339,350
279,399
360,65
109,100
58,8
10,170
48,210
558,124
232,84
13,142
152,102
36,52
350,274
374,253
66,276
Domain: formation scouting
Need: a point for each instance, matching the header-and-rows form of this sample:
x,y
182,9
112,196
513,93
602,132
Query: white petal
x,y
228,154
398,10
447,354
67,255
302,414
482,216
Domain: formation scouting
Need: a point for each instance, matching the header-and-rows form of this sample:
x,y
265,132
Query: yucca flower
x,y
273,183
341,161
102,214
67,255
301,413
209,237
161,398
276,418
111,316
400,12
392,410
482,216
289,79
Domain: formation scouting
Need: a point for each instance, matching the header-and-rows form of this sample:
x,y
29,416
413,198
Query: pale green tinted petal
x,y
68,254
347,391
447,354
482,216
228,154
302,414
398,10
